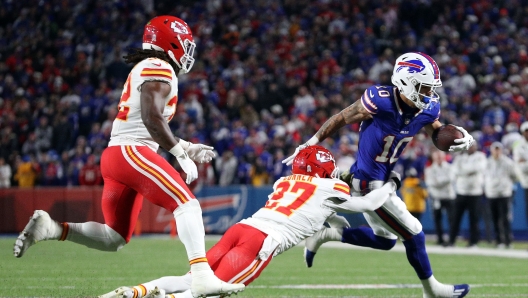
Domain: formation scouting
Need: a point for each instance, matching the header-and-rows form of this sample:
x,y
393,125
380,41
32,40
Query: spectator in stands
x,y
304,101
439,181
462,83
511,136
90,173
383,64
226,167
499,177
486,79
5,174
27,171
259,173
51,169
62,133
414,193
345,159
43,134
279,169
468,169
30,145
520,157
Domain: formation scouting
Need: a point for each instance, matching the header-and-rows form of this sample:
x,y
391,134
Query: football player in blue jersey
x,y
390,116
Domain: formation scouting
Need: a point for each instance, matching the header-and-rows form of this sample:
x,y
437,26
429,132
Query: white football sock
x,y
191,229
322,236
171,284
332,234
434,288
95,235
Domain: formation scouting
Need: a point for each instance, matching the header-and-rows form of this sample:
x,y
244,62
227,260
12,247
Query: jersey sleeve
x,y
334,188
342,188
369,100
154,70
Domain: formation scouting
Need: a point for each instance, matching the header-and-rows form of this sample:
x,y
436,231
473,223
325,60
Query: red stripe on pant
x,y
125,187
393,223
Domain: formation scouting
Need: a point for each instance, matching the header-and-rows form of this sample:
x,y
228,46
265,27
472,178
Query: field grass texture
x,y
63,269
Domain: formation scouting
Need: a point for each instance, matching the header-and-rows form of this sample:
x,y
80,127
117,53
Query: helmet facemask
x,y
186,61
422,99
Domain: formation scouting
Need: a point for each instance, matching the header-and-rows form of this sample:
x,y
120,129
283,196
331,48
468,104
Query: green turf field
x,y
69,270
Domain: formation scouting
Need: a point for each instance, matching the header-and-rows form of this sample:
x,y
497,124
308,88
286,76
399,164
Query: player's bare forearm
x,y
429,128
160,132
153,96
331,126
352,114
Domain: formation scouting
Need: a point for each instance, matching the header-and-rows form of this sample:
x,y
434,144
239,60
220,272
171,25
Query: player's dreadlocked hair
x,y
137,55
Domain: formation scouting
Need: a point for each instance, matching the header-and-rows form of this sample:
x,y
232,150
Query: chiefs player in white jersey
x,y
298,207
131,168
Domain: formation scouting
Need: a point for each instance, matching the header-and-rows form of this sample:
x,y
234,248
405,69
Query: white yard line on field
x,y
374,286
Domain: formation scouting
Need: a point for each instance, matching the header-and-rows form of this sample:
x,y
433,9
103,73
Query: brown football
x,y
445,136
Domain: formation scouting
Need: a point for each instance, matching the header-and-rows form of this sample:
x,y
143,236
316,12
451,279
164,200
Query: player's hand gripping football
x,y
464,143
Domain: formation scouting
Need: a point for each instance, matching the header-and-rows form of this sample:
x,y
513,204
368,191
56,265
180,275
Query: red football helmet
x,y
315,161
173,36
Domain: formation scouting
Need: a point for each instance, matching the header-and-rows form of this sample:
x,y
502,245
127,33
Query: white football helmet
x,y
411,72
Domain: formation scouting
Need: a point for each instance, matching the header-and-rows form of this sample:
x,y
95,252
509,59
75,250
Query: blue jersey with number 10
x,y
383,138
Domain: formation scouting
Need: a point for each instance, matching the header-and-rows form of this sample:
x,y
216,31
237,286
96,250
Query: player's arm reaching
x,y
354,113
464,143
369,202
153,95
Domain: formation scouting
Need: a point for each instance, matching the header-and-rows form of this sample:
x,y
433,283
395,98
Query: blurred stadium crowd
x,y
268,74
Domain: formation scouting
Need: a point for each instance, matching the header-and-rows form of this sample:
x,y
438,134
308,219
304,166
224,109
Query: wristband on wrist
x,y
177,150
397,182
185,145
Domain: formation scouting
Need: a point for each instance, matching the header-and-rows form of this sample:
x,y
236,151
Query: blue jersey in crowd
x,y
383,138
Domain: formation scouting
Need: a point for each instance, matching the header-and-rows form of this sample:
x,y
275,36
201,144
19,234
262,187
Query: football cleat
x,y
39,228
460,291
156,293
308,257
312,244
210,285
121,292
449,291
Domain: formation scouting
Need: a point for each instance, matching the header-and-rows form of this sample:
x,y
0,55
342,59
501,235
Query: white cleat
x,y
39,228
121,292
210,285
